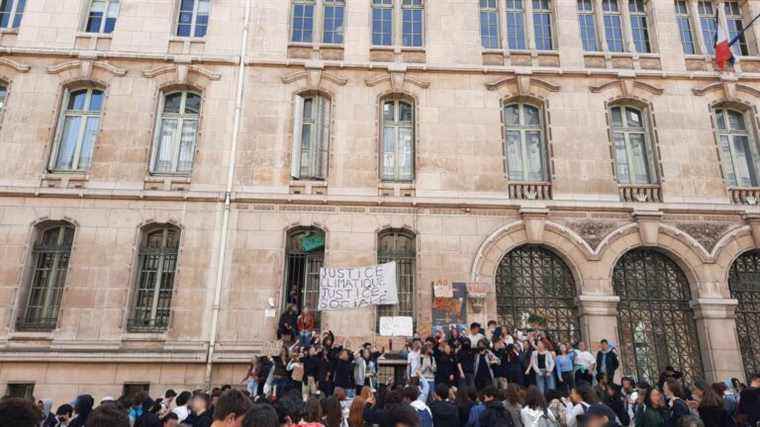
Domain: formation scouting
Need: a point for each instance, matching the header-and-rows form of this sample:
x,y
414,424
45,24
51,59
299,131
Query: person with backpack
x,y
535,413
445,413
495,414
413,395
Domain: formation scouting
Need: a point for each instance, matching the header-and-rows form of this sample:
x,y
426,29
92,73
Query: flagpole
x,y
736,38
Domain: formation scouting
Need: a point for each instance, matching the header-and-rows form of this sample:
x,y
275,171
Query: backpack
x,y
545,421
426,418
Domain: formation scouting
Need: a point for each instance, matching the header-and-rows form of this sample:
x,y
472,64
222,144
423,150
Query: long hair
x,y
333,412
711,399
535,399
356,414
313,411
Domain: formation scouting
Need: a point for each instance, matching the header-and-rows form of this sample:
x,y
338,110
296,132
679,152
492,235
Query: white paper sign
x,y
346,288
443,289
269,313
401,326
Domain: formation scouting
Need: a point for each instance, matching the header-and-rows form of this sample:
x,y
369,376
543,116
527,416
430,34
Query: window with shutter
x,y
311,137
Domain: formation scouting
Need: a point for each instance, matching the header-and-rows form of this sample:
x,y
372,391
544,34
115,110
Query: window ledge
x,y
12,31
530,190
331,46
85,34
30,336
412,49
382,48
301,44
396,189
64,179
139,335
640,193
744,195
597,54
167,182
620,54
649,55
308,186
187,39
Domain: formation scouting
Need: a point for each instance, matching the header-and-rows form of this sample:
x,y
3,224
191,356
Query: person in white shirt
x,y
182,401
535,412
475,335
581,397
584,364
413,359
542,365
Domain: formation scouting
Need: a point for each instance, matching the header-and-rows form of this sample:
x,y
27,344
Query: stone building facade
x,y
583,159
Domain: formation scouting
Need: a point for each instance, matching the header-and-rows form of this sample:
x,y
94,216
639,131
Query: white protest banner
x,y
443,289
346,288
399,326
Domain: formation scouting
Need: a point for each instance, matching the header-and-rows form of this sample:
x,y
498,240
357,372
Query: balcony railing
x,y
39,324
638,193
530,190
157,325
744,195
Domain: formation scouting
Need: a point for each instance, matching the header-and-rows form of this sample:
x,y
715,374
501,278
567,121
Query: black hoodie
x,y
495,415
445,414
83,407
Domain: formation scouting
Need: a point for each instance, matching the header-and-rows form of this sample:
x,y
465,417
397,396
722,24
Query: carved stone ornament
x,y
706,233
594,231
626,86
523,83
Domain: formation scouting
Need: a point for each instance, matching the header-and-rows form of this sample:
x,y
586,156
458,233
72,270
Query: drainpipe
x,y
228,196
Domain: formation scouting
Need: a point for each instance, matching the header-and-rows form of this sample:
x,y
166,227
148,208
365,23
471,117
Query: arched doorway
x,y
655,322
744,284
304,256
533,283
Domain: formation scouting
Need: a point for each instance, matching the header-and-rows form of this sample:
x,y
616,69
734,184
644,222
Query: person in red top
x,y
305,325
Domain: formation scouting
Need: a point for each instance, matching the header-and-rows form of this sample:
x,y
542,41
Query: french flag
x,y
723,54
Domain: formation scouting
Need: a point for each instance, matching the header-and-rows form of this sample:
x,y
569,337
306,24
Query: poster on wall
x,y
398,326
354,287
448,311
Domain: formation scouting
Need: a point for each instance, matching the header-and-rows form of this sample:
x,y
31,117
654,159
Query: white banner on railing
x,y
346,288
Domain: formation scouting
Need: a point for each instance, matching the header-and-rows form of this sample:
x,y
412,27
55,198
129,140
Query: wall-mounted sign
x,y
347,288
399,326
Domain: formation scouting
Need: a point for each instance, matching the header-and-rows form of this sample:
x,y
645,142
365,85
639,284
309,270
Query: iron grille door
x,y
655,322
744,284
302,273
533,281
399,246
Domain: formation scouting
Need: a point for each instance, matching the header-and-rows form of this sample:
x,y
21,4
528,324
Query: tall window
x,y
524,143
709,25
532,282
102,16
630,139
3,96
489,24
50,262
738,152
303,21
735,25
399,246
382,22
193,18
587,24
176,133
412,20
304,257
311,137
397,140
684,27
542,24
639,26
77,131
516,24
155,280
334,11
613,27
11,12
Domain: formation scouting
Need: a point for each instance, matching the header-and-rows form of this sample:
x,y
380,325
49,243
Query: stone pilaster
x,y
598,317
716,327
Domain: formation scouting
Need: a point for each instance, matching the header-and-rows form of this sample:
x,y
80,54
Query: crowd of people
x,y
485,377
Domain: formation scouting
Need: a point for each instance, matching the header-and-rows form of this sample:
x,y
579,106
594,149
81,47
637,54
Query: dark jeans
x,y
467,381
567,383
584,377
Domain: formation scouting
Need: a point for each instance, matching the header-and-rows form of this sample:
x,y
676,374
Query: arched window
x,y
525,144
655,322
634,157
397,140
745,287
50,262
78,127
399,246
176,133
534,287
738,152
304,257
157,260
311,137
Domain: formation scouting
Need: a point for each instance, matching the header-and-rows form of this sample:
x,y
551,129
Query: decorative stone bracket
x,y
627,87
730,88
86,68
17,66
649,225
314,74
524,83
754,223
398,77
182,71
535,222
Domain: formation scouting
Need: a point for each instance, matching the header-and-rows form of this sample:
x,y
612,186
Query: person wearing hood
x,y
82,408
445,413
48,418
496,414
414,396
607,360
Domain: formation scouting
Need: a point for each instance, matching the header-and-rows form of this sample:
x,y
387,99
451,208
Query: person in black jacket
x,y
748,411
343,372
607,360
674,391
711,409
446,368
82,408
615,400
495,414
445,413
200,404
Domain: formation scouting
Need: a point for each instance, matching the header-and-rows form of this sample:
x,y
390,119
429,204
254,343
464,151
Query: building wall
x,y
458,206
